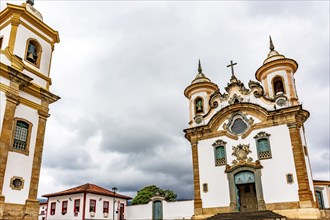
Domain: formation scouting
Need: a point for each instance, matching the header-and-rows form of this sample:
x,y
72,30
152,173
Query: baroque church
x,y
248,144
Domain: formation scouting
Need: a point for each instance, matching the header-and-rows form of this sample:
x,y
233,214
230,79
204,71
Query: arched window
x,y
157,210
278,85
21,136
263,145
199,108
33,52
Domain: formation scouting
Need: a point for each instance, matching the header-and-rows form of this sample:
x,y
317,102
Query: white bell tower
x,y
26,47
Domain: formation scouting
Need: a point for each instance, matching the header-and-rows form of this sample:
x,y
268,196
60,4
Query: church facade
x,y
248,144
26,47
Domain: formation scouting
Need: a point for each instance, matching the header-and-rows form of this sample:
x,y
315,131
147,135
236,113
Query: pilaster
x,y
15,21
198,205
7,126
37,158
304,192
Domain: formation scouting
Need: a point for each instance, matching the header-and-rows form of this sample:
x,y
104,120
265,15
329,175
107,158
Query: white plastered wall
x,y
138,212
70,210
171,210
99,205
273,172
20,164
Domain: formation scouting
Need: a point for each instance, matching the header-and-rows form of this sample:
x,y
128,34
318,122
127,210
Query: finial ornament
x,y
31,2
271,45
199,66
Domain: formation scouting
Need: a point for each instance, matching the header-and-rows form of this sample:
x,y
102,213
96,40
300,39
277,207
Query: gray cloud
x,y
121,69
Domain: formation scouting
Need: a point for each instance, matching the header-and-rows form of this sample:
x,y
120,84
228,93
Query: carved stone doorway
x,y
245,189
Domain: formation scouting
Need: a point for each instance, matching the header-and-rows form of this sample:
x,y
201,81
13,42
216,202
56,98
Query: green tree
x,y
145,194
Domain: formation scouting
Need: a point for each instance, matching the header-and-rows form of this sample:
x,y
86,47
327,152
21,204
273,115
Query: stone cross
x,y
231,65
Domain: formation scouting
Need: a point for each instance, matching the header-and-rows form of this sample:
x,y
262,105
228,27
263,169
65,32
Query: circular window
x,y
17,183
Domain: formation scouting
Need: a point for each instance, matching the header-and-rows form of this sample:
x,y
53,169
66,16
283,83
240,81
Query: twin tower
x,y
249,149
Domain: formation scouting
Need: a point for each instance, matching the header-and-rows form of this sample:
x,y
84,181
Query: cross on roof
x,y
231,65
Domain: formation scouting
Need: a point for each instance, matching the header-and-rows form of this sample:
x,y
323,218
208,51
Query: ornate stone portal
x,y
243,163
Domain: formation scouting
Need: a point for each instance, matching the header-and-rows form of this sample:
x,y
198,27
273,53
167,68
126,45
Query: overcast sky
x,y
122,66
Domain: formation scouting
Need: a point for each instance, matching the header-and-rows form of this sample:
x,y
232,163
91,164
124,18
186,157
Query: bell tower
x,y
26,47
198,93
277,78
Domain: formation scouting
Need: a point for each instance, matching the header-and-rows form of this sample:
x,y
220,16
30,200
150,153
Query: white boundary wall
x,y
171,210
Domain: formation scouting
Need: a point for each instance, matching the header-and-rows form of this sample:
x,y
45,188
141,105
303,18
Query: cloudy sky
x,y
122,66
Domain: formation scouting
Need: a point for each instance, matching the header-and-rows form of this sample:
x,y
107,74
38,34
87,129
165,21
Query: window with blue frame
x,y
220,152
263,146
220,156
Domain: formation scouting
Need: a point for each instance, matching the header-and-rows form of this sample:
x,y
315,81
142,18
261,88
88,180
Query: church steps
x,y
256,215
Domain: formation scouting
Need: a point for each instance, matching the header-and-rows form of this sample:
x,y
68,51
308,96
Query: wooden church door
x,y
247,198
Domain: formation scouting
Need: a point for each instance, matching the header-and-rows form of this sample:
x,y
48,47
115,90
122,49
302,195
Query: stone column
x,y
198,205
232,193
259,192
304,192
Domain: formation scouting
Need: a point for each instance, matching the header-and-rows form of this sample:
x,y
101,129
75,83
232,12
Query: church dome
x,y
200,77
273,55
33,11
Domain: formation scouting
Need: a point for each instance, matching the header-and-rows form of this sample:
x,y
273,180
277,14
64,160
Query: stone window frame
x,y
28,138
195,103
289,178
12,185
35,43
233,118
267,154
220,161
205,187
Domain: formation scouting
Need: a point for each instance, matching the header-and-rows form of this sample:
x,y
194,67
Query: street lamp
x,y
114,190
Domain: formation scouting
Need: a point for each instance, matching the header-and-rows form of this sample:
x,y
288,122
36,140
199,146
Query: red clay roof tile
x,y
89,188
